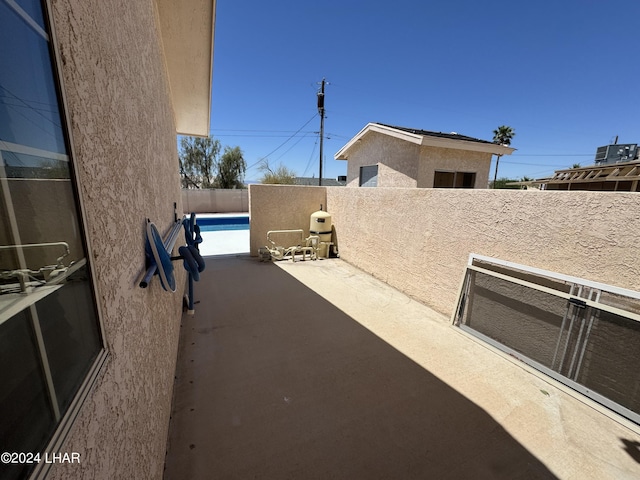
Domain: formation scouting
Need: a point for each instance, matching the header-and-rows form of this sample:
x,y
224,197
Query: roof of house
x,y
451,140
313,181
452,135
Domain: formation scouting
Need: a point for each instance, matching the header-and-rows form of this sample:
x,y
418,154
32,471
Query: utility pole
x,y
321,112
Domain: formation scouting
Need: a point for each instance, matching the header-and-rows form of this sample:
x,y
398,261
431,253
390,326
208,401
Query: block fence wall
x,y
419,240
215,200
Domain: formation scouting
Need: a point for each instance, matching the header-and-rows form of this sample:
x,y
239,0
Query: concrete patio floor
x,y
315,370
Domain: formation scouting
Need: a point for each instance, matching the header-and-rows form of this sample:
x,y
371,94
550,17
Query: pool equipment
x,y
27,278
158,255
305,246
193,261
320,225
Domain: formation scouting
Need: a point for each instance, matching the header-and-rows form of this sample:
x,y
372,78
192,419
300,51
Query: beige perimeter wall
x,y
125,151
282,207
214,200
419,240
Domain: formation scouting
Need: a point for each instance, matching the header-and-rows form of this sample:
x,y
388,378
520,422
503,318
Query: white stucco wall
x,y
419,240
125,153
452,160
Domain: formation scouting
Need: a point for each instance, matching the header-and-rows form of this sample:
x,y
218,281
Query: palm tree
x,y
502,136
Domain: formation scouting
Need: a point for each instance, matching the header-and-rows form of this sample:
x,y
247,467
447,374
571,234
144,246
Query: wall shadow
x,y
274,382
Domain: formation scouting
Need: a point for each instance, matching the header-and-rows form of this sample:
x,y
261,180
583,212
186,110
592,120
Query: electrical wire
x,y
552,155
27,105
291,147
313,151
283,143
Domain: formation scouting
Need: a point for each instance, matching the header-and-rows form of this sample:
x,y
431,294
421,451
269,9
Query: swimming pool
x,y
219,224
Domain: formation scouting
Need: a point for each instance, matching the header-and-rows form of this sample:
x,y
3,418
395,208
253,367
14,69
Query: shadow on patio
x,y
274,382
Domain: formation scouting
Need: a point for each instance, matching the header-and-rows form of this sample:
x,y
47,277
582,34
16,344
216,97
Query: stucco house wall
x,y
123,138
396,160
407,165
452,160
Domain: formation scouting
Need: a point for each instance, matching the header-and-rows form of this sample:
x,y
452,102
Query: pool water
x,y
219,224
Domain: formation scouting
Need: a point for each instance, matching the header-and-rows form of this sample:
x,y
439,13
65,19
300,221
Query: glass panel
x,y
526,320
611,364
26,415
369,176
594,351
468,180
33,10
443,179
29,113
71,340
49,332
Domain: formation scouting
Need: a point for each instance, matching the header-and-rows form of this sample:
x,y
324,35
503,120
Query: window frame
x,y
97,367
363,184
456,174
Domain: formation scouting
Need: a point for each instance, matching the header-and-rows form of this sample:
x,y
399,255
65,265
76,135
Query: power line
x,y
252,130
531,164
291,147
27,106
306,134
553,155
283,143
306,169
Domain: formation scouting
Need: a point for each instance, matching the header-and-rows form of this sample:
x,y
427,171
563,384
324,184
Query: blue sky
x,y
564,74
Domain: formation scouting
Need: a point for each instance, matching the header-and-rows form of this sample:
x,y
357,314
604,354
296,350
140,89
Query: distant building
x,y
340,181
616,153
390,156
618,177
616,169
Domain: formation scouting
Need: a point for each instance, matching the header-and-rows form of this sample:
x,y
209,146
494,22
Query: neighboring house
x,y
616,169
619,177
390,156
341,181
537,184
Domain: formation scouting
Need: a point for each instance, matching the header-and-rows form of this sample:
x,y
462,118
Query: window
x,y
454,179
50,337
584,334
369,176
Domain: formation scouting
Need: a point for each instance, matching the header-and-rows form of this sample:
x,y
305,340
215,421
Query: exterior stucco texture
x,y
397,161
212,200
434,159
124,144
403,164
419,240
282,207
